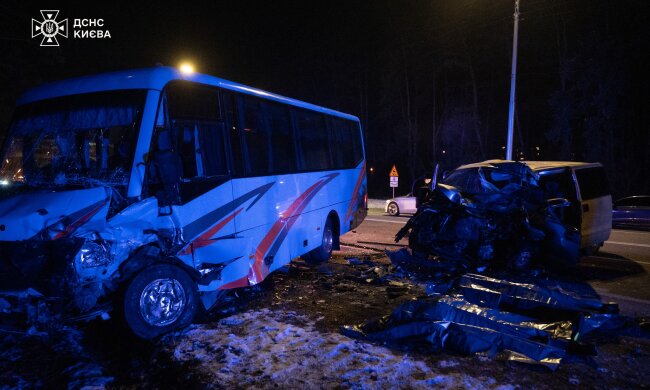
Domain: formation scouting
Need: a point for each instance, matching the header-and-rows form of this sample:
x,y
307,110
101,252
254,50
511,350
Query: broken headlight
x,y
93,254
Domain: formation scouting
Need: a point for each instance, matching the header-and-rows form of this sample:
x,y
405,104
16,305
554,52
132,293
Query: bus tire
x,y
324,252
159,299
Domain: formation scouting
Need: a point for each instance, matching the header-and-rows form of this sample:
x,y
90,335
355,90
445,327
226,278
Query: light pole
x,y
513,81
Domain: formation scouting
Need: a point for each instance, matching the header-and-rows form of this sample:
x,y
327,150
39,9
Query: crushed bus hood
x,y
42,234
51,214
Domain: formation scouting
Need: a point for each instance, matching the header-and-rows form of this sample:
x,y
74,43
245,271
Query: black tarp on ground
x,y
537,321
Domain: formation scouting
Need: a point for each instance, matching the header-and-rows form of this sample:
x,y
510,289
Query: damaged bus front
x,y
65,170
152,191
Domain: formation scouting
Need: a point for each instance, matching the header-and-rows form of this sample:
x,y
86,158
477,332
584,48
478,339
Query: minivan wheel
x,y
161,298
393,209
591,250
324,251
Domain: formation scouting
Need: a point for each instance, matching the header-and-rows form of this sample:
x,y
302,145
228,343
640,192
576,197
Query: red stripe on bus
x,y
74,225
205,238
241,282
256,273
355,194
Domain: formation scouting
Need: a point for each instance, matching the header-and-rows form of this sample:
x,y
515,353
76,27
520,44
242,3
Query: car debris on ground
x,y
530,317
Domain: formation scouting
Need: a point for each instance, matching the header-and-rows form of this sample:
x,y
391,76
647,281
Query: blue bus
x,y
152,191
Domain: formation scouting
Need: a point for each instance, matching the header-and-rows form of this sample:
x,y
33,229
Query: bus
x,y
153,191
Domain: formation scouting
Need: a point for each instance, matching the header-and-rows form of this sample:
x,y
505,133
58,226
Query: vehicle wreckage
x,y
143,191
500,218
523,319
512,214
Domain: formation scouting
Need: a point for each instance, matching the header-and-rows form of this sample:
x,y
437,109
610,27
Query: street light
x,y
513,80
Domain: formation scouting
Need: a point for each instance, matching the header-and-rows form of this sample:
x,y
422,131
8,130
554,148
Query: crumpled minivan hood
x,y
25,216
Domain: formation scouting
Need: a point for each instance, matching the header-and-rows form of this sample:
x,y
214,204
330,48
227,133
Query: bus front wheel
x,y
324,251
159,299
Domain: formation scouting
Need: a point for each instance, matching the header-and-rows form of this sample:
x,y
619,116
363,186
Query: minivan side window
x,y
592,182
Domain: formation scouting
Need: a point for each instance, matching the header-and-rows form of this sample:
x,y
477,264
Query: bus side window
x,y
233,130
198,126
282,153
256,138
313,141
347,137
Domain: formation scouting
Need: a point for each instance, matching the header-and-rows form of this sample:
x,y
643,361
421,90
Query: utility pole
x,y
513,82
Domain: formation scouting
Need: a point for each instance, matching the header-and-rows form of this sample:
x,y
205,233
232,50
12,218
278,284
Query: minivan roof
x,y
154,78
535,165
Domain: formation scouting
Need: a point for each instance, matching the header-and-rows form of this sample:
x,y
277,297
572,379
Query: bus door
x,y
190,146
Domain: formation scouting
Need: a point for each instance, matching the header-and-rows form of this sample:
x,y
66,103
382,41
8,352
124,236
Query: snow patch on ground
x,y
267,349
63,349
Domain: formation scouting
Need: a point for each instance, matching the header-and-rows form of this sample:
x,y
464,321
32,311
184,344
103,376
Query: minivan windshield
x,y
85,140
485,180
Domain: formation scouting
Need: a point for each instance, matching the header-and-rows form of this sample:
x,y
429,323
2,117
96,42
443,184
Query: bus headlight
x,y
93,254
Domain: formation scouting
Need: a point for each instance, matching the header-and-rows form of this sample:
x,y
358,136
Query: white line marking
x,y
614,259
635,232
383,220
627,243
621,297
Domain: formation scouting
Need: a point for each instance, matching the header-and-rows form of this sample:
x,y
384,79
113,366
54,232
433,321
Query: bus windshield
x,y
80,140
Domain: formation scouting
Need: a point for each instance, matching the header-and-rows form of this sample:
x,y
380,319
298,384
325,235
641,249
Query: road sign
x,y
394,179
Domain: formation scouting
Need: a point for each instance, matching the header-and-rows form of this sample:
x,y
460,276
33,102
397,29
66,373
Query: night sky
x,y
408,69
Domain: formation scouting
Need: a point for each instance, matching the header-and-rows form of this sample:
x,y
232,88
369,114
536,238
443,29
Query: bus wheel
x,y
324,251
161,298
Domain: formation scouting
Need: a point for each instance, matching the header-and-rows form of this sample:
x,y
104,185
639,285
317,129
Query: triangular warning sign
x,y
393,172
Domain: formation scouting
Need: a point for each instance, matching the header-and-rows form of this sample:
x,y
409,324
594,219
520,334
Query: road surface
x,y
620,271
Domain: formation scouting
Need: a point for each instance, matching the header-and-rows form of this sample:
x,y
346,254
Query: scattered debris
x,y
537,321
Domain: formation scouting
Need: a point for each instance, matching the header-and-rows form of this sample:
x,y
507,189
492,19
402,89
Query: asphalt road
x,y
619,272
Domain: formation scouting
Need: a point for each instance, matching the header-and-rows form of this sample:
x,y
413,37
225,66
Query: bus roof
x,y
154,78
535,165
